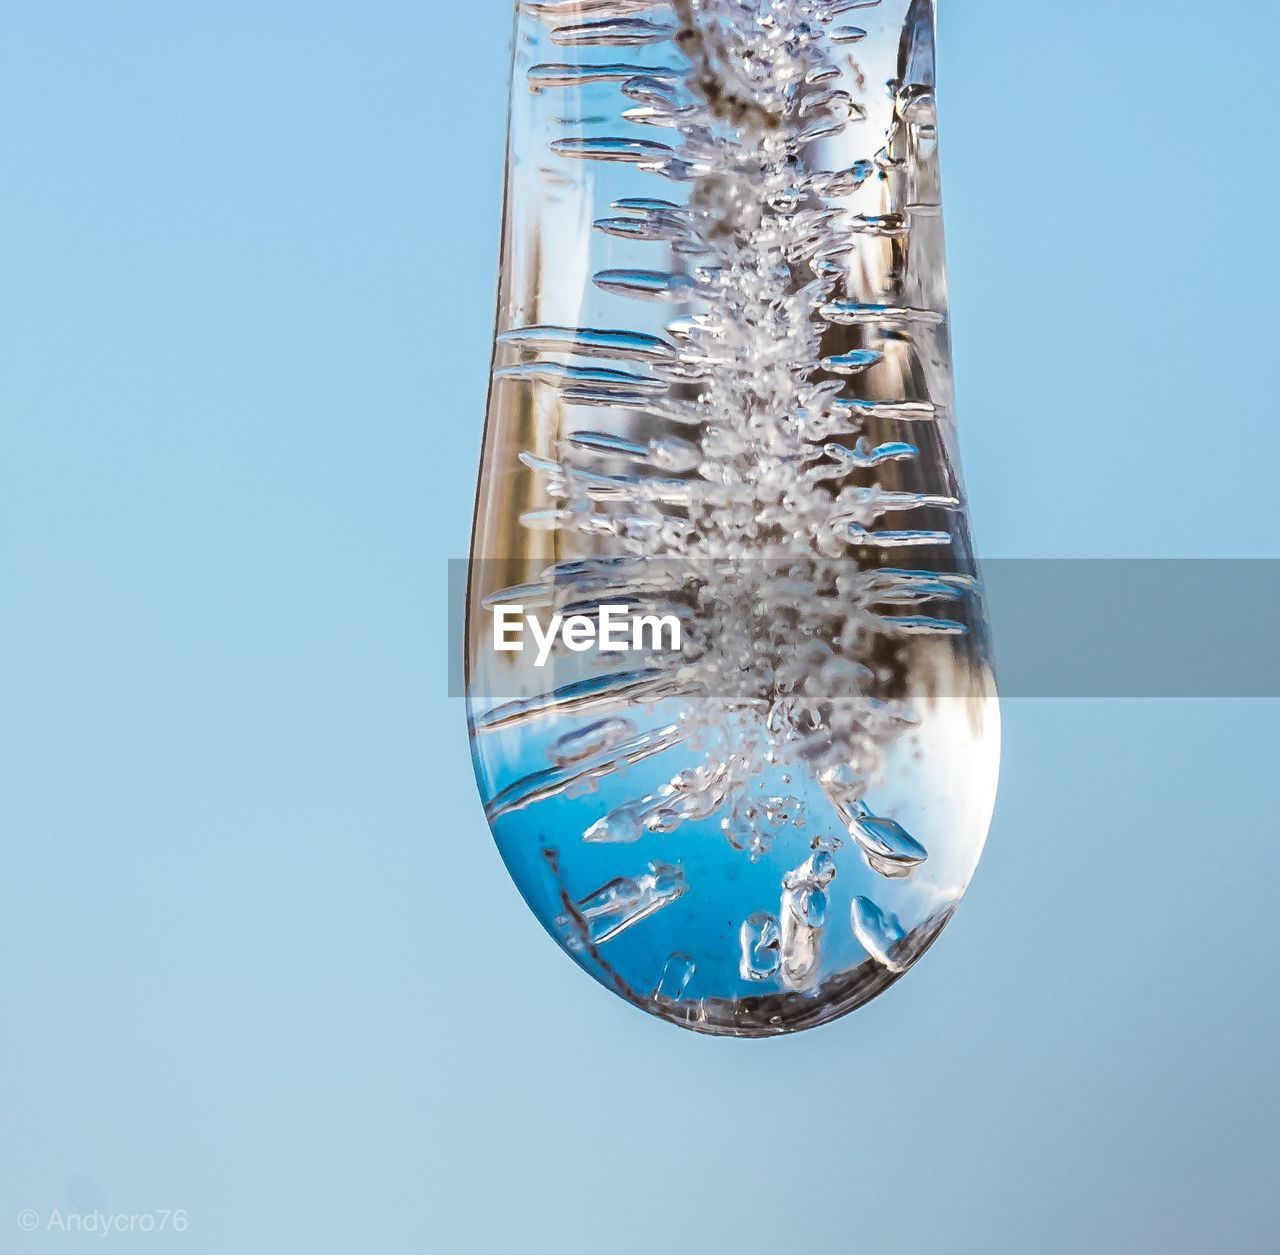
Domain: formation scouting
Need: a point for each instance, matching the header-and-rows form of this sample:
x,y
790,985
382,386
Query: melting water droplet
x,y
589,342
625,902
888,847
555,11
648,285
760,942
611,148
596,737
722,401
878,933
612,32
675,979
570,74
579,377
861,314
804,918
853,362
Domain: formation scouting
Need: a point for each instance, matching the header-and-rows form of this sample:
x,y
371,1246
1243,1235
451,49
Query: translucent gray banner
x,y
1065,628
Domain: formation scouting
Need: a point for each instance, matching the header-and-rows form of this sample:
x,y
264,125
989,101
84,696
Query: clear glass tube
x,y
722,401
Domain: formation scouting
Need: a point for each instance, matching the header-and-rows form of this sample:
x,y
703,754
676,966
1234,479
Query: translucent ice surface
x,y
721,402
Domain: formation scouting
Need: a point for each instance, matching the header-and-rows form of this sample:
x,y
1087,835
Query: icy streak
x,y
625,902
541,785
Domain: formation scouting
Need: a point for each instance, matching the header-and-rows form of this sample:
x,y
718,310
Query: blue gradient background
x,y
259,957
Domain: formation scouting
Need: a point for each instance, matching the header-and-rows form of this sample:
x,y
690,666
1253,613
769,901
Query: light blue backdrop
x,y
259,958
